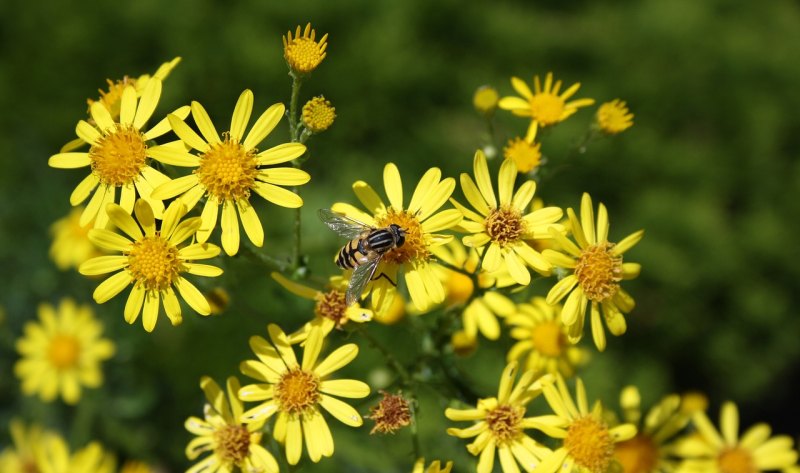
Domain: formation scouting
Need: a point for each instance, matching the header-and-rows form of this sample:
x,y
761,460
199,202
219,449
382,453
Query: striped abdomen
x,y
361,250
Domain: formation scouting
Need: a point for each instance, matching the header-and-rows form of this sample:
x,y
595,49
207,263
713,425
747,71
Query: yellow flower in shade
x,y
724,451
71,245
544,105
485,100
318,114
330,308
136,467
420,220
234,445
500,425
62,352
32,446
499,228
229,169
90,459
613,117
541,335
435,467
587,440
526,154
119,155
597,268
152,262
650,450
393,312
303,53
296,392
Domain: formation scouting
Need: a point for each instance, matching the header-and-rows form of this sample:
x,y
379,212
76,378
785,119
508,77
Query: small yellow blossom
x,y
133,466
62,352
318,114
485,100
435,467
218,300
31,447
71,245
302,52
613,117
526,154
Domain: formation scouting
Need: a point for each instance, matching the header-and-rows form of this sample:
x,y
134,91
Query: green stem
x,y
413,407
293,132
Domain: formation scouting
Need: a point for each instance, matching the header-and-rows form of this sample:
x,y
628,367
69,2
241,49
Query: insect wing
x,y
344,226
359,279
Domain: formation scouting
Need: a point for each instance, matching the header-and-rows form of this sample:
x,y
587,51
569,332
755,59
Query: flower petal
x,y
278,195
280,154
339,358
341,410
264,125
102,265
111,287
192,296
393,186
250,222
505,181
368,197
241,115
345,388
230,228
69,160
204,123
483,179
147,103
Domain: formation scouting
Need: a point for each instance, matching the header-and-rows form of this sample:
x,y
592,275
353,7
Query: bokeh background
x,y
710,170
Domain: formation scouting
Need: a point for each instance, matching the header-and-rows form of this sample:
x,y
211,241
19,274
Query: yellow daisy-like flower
x,y
526,154
485,100
234,445
118,156
31,448
597,268
724,451
544,105
614,117
152,261
302,52
318,114
62,352
501,425
420,220
435,467
330,308
650,450
542,336
92,458
502,224
229,169
587,440
71,245
296,392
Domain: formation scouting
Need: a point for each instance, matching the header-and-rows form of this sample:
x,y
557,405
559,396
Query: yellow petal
x,y
493,258
729,423
425,187
598,334
483,179
152,303
345,388
516,269
278,195
187,135
505,181
102,265
284,176
587,219
524,196
628,242
69,160
101,116
173,156
83,189
281,153
204,123
436,198
339,358
172,306
163,126
561,289
241,115
108,240
368,197
312,348
208,218
294,440
250,222
87,133
230,228
205,270
111,287
192,296
264,125
342,411
295,288
134,303
474,196
147,103
393,186
127,108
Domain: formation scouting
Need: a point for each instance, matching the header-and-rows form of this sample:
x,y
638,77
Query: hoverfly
x,y
365,249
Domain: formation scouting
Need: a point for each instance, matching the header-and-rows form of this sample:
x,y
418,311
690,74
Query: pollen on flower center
x,y
505,225
154,262
590,444
736,460
637,455
332,305
297,391
118,157
113,98
414,248
318,114
504,422
549,339
547,108
64,351
233,443
302,52
599,271
227,170
527,156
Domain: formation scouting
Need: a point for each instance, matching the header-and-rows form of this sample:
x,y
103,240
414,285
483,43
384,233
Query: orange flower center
x,y
736,460
504,422
548,339
64,351
414,248
297,390
113,98
599,271
637,455
505,225
233,443
154,262
590,444
302,53
318,114
391,414
547,108
118,157
227,170
527,156
332,305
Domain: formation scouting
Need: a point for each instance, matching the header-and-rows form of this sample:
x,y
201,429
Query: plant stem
x,y
293,132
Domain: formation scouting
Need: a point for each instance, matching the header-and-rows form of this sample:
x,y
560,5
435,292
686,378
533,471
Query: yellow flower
x,y
136,467
303,53
296,392
62,352
90,459
118,156
504,227
32,446
420,220
613,117
544,105
330,308
526,154
152,262
435,467
724,451
233,444
541,335
228,170
501,423
318,114
588,442
650,450
71,245
485,100
597,269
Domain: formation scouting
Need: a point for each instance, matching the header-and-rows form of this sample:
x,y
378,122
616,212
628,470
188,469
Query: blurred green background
x,y
710,170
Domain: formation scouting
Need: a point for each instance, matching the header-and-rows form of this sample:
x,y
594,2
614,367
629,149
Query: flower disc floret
x,y
414,248
227,170
119,157
64,351
504,422
297,391
613,117
302,52
233,443
505,225
599,271
154,263
590,444
318,114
